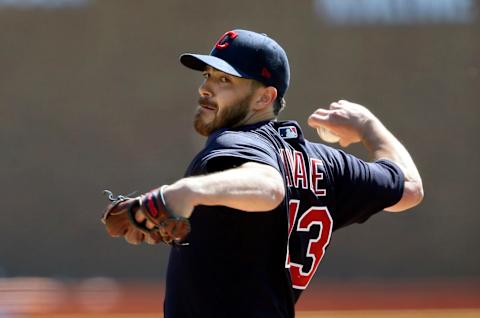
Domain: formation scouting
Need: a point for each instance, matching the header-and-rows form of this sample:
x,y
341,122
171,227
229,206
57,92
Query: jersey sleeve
x,y
361,188
232,149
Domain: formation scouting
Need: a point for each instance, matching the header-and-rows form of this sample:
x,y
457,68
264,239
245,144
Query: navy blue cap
x,y
246,54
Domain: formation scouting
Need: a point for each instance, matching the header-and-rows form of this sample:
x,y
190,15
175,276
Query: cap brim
x,y
198,62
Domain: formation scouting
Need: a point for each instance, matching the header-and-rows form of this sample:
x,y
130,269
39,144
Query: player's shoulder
x,y
245,135
236,145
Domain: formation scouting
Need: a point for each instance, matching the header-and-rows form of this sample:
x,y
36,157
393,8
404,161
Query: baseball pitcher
x,y
251,220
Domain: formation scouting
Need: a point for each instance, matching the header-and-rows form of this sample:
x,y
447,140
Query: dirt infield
x,y
107,298
447,313
459,313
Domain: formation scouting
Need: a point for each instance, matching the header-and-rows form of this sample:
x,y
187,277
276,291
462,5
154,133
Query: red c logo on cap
x,y
223,41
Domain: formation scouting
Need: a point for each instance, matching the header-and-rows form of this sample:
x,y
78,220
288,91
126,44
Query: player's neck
x,y
256,117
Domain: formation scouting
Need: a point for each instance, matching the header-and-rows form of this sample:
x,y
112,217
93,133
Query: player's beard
x,y
229,116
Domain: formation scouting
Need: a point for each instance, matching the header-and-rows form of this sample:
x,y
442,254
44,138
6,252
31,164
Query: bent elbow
x,y
412,196
418,193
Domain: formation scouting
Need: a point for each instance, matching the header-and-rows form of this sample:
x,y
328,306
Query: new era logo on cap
x,y
288,132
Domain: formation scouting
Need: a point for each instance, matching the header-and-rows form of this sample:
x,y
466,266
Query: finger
x,y
335,105
139,216
134,237
321,111
153,238
150,225
149,240
318,115
317,120
343,101
344,143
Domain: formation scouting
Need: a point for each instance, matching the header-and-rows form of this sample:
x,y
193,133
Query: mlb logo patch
x,y
288,132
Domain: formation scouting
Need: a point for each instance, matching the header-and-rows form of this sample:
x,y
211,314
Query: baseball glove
x,y
119,219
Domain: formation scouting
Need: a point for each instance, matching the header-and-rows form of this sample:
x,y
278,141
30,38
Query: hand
x,y
118,223
145,219
177,200
174,207
348,120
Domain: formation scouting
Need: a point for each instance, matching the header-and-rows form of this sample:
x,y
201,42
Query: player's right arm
x,y
355,123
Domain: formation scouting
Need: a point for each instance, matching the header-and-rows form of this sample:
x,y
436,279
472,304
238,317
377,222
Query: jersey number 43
x,y
314,216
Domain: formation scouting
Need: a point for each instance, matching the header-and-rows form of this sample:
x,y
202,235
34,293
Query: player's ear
x,y
266,97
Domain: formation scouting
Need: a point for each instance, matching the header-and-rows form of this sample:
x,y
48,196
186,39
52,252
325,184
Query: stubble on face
x,y
227,116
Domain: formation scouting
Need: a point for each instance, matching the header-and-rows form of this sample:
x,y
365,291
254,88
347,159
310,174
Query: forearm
x,y
382,144
251,187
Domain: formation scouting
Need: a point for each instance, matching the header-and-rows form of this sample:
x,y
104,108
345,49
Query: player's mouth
x,y
206,105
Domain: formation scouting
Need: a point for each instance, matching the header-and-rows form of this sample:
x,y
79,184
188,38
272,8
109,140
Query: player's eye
x,y
206,75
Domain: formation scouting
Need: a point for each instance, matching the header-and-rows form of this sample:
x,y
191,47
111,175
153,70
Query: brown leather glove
x,y
119,219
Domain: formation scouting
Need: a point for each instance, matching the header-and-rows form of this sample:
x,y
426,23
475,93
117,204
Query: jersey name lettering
x,y
297,174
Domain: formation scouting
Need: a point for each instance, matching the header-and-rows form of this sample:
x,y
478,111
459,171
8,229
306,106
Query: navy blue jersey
x,y
243,264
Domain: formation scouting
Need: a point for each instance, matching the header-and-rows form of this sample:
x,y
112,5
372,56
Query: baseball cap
x,y
246,54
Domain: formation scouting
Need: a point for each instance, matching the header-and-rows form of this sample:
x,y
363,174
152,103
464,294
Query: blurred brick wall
x,y
94,98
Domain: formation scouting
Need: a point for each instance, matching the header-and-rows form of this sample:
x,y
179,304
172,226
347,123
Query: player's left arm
x,y
355,123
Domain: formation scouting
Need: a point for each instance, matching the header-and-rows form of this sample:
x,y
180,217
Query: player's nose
x,y
204,89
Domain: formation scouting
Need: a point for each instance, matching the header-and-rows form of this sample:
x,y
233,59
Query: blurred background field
x,y
104,297
92,96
